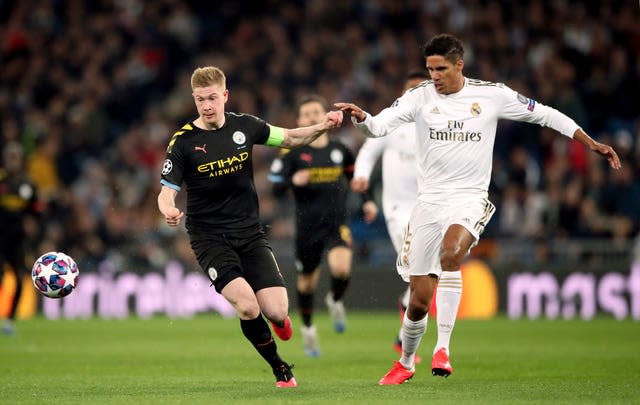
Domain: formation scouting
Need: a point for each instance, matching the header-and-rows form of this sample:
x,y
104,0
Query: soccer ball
x,y
55,274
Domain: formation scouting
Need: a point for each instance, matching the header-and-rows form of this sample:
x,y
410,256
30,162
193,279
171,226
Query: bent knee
x,y
306,282
247,310
418,309
276,315
341,272
451,258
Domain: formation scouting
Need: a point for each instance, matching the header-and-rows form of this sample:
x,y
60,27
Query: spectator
x,y
64,62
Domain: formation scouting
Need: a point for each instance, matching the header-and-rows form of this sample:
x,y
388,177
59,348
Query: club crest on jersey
x,y
239,137
475,109
166,167
336,156
202,148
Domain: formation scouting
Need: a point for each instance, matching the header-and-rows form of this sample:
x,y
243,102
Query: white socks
x,y
448,297
411,335
404,301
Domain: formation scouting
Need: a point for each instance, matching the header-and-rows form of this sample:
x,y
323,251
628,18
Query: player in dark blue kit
x,y
212,156
318,174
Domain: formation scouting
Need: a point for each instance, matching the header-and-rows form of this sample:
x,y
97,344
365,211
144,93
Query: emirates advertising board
x,y
549,294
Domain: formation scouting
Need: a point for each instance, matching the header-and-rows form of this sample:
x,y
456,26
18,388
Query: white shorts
x,y
420,254
397,217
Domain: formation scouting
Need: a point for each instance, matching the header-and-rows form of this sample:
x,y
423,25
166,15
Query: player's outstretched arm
x,y
297,137
600,148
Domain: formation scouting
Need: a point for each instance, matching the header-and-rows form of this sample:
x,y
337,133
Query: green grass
x,y
207,360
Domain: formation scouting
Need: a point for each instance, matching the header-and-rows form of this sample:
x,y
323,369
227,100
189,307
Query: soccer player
x,y
456,119
212,156
318,175
399,186
19,203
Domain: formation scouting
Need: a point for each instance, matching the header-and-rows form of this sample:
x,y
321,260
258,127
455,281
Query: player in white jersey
x,y
399,183
456,119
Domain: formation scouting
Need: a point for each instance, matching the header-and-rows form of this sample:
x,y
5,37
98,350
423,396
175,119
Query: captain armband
x,y
276,136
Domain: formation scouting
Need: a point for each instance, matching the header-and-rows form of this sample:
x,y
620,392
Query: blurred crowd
x,y
93,90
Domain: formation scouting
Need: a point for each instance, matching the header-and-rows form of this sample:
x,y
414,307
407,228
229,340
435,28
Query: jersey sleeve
x,y
349,162
400,112
521,108
173,166
368,155
257,128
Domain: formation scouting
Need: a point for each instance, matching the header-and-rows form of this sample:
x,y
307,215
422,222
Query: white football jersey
x,y
399,183
455,133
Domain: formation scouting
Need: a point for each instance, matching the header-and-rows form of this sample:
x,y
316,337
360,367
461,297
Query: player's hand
x,y
172,216
359,184
608,152
353,110
370,211
301,178
333,119
599,148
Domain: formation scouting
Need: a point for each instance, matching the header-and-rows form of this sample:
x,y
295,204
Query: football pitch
x,y
206,360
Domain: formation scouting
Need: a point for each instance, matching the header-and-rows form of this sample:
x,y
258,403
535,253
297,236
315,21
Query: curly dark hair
x,y
445,45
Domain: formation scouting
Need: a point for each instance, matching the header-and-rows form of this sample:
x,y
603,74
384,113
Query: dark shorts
x,y
311,246
225,258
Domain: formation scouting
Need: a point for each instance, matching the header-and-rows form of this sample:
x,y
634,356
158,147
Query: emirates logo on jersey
x,y
454,133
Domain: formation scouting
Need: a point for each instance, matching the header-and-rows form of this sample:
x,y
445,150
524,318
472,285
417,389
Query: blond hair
x,y
208,76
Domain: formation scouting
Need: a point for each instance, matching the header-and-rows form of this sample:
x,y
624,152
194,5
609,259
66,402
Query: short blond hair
x,y
208,76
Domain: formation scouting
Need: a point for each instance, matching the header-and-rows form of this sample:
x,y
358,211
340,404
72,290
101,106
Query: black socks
x,y
305,303
258,333
338,287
